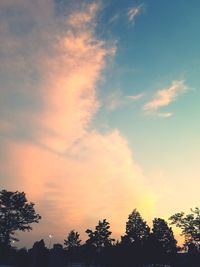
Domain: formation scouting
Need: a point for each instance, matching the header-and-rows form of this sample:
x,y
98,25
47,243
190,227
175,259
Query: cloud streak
x,y
165,114
134,12
117,99
135,97
165,97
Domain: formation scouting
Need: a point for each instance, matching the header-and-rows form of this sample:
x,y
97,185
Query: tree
x,y
136,228
189,224
15,214
73,240
164,235
101,236
39,254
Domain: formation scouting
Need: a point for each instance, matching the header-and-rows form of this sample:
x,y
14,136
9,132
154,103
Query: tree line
x,y
137,246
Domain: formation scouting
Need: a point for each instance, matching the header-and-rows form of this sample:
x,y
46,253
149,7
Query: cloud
x,y
117,99
133,12
114,18
49,71
166,96
82,18
135,97
165,114
78,187
114,100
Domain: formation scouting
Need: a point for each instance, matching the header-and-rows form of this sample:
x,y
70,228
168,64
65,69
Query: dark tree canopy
x,y
164,235
15,214
72,240
188,223
101,236
136,228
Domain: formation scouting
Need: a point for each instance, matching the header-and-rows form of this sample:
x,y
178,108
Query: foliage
x,y
72,240
15,214
39,254
164,235
101,236
136,228
188,223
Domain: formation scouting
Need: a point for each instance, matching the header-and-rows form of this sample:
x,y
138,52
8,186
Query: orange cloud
x,y
96,179
73,173
81,18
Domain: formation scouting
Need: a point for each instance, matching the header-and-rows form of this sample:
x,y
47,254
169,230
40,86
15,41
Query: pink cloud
x,y
166,96
75,175
81,18
97,179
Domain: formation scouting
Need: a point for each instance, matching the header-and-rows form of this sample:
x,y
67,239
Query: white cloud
x,y
114,18
135,97
165,114
114,100
165,97
117,99
133,12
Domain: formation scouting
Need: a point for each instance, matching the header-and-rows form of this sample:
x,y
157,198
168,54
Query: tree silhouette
x,y
188,223
39,254
136,228
15,214
73,240
164,235
101,236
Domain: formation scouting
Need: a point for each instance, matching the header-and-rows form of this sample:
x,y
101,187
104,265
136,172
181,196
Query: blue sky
x,y
160,45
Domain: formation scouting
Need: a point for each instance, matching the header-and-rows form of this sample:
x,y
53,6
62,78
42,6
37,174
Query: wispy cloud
x,y
114,100
165,97
134,11
164,114
114,18
135,97
117,99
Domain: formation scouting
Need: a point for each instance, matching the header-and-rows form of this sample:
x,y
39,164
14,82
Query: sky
x,y
99,110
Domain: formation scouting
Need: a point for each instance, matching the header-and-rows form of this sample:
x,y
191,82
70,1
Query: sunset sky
x,y
99,110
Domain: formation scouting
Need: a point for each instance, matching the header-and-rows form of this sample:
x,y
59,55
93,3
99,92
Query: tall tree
x,y
73,240
15,214
39,254
188,223
101,236
136,228
164,235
